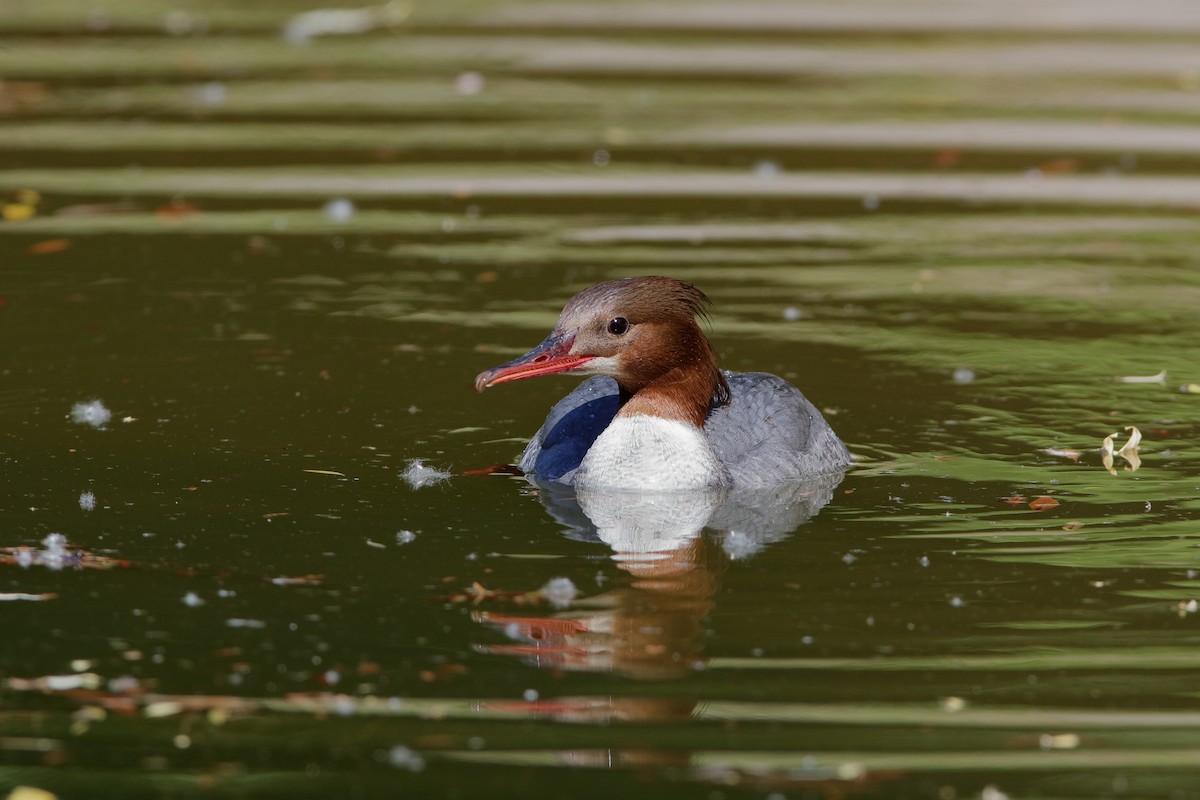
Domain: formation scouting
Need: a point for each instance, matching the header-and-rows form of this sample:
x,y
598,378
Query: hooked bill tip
x,y
483,379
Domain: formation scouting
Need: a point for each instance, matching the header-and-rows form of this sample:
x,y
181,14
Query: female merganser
x,y
663,417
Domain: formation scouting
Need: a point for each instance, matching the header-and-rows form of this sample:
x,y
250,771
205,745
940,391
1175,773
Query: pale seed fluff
x,y
93,413
560,592
418,475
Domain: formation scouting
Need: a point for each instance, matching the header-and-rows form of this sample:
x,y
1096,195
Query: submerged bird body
x,y
660,416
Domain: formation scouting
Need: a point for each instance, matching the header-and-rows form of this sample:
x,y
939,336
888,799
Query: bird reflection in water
x,y
674,547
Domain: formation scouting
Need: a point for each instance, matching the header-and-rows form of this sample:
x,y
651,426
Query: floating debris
x,y
30,793
193,600
405,537
964,375
404,758
1043,503
1062,453
343,21
7,596
1058,741
298,580
766,170
55,683
210,94
55,552
22,205
952,705
93,413
469,83
56,555
418,475
1160,377
238,622
87,501
560,592
740,546
340,210
1128,451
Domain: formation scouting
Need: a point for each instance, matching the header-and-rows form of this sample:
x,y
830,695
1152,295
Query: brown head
x,y
643,333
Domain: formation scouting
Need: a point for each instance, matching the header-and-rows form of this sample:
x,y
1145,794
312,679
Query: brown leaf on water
x,y
1013,500
1059,166
947,158
477,593
1043,503
47,246
176,210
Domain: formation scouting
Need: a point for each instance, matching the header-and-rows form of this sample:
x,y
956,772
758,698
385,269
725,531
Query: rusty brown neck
x,y
685,391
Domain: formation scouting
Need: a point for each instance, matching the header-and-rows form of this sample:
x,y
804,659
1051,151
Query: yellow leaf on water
x,y
30,793
326,472
1135,439
14,212
1128,451
1106,453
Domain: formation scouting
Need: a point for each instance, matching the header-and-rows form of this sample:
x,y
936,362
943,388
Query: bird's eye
x,y
618,326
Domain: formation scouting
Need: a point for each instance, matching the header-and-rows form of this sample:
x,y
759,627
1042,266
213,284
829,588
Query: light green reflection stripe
x,y
1128,658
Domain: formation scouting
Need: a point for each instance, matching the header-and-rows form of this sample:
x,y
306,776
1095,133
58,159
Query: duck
x,y
656,413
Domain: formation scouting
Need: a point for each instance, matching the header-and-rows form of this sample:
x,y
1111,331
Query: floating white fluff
x,y
560,592
418,475
404,758
339,210
87,501
94,413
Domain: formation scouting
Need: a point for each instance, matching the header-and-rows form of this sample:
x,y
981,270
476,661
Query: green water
x,y
955,232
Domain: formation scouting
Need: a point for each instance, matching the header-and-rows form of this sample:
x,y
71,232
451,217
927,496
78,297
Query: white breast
x,y
651,454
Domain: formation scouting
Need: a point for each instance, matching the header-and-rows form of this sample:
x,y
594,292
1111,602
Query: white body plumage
x,y
653,454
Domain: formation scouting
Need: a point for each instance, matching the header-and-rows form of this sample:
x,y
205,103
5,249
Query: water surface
x,y
279,266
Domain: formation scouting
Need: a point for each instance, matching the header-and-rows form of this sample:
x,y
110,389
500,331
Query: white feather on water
x,y
418,475
93,413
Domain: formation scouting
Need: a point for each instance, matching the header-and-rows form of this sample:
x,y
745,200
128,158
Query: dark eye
x,y
618,326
